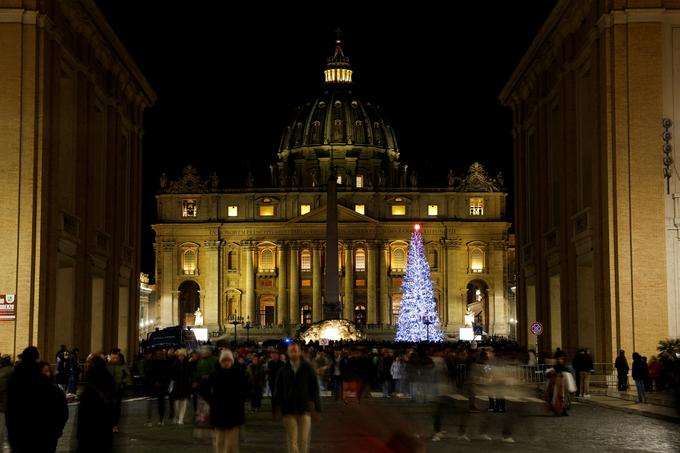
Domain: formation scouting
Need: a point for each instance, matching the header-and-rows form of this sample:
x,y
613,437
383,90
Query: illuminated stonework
x,y
333,330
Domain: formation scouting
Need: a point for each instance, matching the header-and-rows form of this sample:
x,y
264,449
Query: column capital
x,y
213,244
282,245
374,243
168,245
318,245
348,244
294,244
455,243
248,245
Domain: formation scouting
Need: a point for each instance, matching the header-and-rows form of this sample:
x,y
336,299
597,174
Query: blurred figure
x,y
63,366
398,373
121,377
296,397
158,378
74,373
97,409
639,375
180,375
5,373
622,368
385,372
273,366
225,392
558,387
257,377
654,368
35,416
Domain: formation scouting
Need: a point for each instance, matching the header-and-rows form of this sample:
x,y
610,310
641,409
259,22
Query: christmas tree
x,y
418,318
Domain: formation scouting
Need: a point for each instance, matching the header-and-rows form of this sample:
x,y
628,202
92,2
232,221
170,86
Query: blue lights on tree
x,y
418,317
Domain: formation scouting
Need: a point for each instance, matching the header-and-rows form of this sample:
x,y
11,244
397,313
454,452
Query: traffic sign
x,y
536,328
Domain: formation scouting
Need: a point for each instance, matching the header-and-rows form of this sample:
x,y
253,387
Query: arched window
x,y
360,260
189,261
231,260
476,260
316,132
305,261
266,260
398,259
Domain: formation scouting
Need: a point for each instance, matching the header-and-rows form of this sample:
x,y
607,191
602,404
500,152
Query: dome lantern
x,y
337,67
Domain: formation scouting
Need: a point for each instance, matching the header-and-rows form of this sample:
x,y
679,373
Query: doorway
x,y
189,301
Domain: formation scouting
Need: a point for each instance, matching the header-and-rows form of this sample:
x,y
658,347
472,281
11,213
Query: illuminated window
x,y
360,282
306,314
398,209
189,262
476,260
360,208
305,208
232,211
189,208
360,181
432,209
306,283
305,261
396,302
398,259
476,206
266,260
360,260
266,211
339,180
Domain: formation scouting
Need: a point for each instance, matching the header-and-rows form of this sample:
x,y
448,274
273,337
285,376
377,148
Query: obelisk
x,y
331,303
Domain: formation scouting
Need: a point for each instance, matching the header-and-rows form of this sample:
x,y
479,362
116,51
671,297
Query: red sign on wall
x,y
8,307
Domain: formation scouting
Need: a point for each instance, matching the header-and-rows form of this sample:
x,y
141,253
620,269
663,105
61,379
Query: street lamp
x,y
428,320
248,325
235,320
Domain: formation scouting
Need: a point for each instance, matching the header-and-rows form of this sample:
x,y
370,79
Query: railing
x,y
604,374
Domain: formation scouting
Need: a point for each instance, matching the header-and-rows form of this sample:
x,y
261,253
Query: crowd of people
x,y
213,387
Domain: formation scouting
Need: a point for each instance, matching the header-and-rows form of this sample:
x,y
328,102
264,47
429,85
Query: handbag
x,y
570,382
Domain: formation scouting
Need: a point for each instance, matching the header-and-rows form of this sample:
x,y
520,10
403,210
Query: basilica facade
x,y
257,254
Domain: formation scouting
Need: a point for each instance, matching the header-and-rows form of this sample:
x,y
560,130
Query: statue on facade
x,y
451,179
381,178
414,179
315,177
198,317
500,179
214,181
250,180
294,179
273,170
283,177
163,181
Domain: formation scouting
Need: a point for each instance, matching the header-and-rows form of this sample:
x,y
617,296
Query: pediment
x,y
345,215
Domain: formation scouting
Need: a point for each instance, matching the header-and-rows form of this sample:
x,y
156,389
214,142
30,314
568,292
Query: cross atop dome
x,y
338,69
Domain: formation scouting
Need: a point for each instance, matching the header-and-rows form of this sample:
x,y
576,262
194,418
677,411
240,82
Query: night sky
x,y
228,80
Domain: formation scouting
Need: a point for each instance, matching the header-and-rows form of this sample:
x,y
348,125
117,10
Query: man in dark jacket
x,y
639,375
622,368
225,392
296,397
583,365
35,418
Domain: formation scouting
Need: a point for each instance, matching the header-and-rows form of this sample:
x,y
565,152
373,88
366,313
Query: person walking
x,y
622,368
63,366
397,371
97,408
256,378
74,373
180,375
57,415
640,373
225,392
121,377
296,398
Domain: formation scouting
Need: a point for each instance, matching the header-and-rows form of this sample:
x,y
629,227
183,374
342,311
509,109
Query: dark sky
x,y
229,78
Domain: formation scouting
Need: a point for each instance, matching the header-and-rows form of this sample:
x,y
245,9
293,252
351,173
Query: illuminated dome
x,y
337,129
331,329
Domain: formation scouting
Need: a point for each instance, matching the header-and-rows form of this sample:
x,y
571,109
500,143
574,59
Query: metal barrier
x,y
604,374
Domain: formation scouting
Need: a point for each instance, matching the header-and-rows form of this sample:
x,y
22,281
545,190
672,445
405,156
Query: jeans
x,y
584,383
640,385
298,428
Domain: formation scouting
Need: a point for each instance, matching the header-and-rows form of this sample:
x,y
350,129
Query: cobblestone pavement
x,y
364,427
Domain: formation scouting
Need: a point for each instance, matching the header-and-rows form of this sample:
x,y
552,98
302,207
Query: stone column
x,y
316,282
455,305
371,296
282,280
348,300
167,278
294,285
384,251
249,270
210,294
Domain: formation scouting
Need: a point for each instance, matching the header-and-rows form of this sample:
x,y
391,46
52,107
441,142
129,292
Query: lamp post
x,y
248,325
428,320
235,320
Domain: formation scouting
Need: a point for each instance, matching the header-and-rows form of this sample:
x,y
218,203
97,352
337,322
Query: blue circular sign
x,y
536,328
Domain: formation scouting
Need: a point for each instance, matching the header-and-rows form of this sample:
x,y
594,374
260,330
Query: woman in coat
x,y
225,392
96,412
180,374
